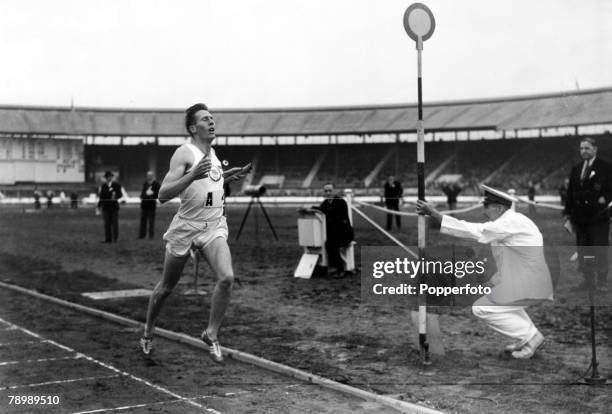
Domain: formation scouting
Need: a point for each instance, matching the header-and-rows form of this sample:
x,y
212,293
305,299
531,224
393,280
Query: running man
x,y
197,177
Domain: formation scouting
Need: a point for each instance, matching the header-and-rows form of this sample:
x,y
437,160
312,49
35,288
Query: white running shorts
x,y
182,233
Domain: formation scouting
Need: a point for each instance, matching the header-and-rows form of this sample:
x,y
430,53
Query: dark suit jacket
x,y
587,200
109,195
393,192
149,201
338,225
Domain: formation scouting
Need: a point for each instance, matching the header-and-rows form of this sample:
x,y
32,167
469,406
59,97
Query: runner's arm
x,y
237,173
176,180
230,172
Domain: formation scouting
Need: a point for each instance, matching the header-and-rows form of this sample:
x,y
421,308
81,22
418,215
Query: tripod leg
x,y
246,214
595,377
268,219
593,343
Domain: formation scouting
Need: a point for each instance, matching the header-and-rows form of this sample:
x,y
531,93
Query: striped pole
x,y
422,300
419,23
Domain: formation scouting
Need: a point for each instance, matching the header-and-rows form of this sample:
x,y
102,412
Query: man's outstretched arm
x,y
481,232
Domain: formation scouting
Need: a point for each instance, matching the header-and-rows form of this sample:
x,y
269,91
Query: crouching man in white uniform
x,y
522,276
197,177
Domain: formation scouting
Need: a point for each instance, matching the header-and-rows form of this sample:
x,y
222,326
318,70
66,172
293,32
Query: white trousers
x,y
511,321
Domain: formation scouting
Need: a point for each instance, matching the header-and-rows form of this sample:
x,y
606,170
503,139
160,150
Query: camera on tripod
x,y
255,190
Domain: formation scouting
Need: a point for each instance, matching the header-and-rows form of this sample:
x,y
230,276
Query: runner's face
x,y
204,125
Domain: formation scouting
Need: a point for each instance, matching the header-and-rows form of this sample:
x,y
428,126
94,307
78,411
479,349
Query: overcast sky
x,y
294,53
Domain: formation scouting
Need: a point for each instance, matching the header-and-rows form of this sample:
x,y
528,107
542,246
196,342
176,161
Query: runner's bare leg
x,y
218,255
173,267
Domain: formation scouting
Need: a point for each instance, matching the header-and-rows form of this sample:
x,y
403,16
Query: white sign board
x,y
306,266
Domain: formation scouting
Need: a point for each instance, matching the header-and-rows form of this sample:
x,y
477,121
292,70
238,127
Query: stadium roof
x,y
576,108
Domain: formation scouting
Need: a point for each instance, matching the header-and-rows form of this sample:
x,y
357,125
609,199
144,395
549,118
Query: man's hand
x,y
425,209
568,226
202,168
246,169
235,174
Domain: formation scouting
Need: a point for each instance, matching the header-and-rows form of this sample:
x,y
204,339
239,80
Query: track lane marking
x,y
143,405
110,367
36,361
244,357
40,384
127,407
22,343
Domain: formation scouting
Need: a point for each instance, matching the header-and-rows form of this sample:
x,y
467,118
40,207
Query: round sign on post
x,y
419,22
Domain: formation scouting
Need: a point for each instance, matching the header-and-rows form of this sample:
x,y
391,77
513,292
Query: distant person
x,y
451,190
37,195
62,198
338,226
531,192
110,194
148,205
587,212
522,277
74,200
49,199
393,192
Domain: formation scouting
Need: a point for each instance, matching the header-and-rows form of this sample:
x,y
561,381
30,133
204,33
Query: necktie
x,y
585,167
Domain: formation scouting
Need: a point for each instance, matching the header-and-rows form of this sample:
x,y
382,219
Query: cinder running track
x,y
94,366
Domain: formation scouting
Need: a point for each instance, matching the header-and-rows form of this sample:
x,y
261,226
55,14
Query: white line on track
x,y
19,343
40,384
110,367
202,397
36,361
128,407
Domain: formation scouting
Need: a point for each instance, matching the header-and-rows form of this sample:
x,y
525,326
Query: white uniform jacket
x,y
522,275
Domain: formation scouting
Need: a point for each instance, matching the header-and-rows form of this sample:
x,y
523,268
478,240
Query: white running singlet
x,y
204,199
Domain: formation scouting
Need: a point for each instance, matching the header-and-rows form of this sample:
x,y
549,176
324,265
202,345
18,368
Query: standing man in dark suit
x,y
109,195
148,204
586,211
393,195
338,226
531,192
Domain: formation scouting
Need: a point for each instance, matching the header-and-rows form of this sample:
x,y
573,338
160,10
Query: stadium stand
x,y
506,163
501,159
